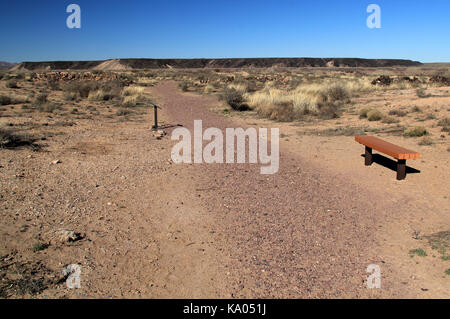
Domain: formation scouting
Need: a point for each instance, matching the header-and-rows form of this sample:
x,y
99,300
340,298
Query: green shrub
x,y
445,123
329,110
47,107
234,98
416,109
11,84
422,93
184,86
363,112
41,99
417,131
399,113
374,115
426,141
82,89
419,252
389,120
5,100
38,246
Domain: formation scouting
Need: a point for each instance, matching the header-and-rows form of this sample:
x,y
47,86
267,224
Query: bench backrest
x,y
390,149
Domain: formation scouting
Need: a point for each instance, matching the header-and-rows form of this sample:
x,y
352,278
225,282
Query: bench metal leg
x,y
368,156
401,169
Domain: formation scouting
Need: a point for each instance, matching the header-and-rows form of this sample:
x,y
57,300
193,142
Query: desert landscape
x,y
86,180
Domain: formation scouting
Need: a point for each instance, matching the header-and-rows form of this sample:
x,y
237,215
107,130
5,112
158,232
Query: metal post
x,y
155,110
368,156
156,117
401,169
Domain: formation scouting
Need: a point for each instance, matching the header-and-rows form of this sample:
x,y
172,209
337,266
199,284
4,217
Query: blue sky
x,y
37,31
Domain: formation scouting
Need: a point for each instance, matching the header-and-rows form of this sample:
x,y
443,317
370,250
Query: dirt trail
x,y
155,229
303,232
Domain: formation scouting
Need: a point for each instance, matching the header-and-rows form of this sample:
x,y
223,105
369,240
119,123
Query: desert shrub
x,y
69,96
389,120
417,131
11,84
5,100
100,95
281,111
47,107
40,99
11,139
38,246
81,88
336,92
184,86
422,93
329,110
363,112
53,85
416,109
132,100
43,105
241,87
208,89
374,115
132,90
399,113
426,141
122,112
445,123
234,98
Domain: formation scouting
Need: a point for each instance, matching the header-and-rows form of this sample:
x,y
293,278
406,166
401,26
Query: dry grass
x,y
400,113
132,90
316,99
426,141
445,123
11,139
101,95
133,100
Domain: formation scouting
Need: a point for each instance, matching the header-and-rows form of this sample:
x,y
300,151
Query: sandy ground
x,y
420,203
154,229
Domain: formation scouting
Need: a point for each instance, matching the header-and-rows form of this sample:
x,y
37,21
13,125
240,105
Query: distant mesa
x,y
6,65
130,64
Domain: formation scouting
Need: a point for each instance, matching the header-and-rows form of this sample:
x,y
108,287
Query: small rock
x,y
56,162
63,236
159,134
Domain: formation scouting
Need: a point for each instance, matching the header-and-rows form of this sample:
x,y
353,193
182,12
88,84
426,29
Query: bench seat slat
x,y
387,148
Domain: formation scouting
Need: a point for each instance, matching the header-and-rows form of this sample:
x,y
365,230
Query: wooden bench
x,y
397,152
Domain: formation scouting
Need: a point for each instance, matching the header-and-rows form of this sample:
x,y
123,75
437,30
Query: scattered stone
x,y
159,134
56,162
439,79
64,236
382,80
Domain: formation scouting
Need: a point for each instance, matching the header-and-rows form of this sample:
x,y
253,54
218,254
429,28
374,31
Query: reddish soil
x,y
303,232
155,229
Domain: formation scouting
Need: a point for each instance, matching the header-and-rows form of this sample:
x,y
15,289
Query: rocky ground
x,y
99,190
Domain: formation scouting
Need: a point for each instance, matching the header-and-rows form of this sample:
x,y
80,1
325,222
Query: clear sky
x,y
410,29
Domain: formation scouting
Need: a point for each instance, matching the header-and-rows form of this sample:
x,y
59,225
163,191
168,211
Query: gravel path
x,y
300,233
